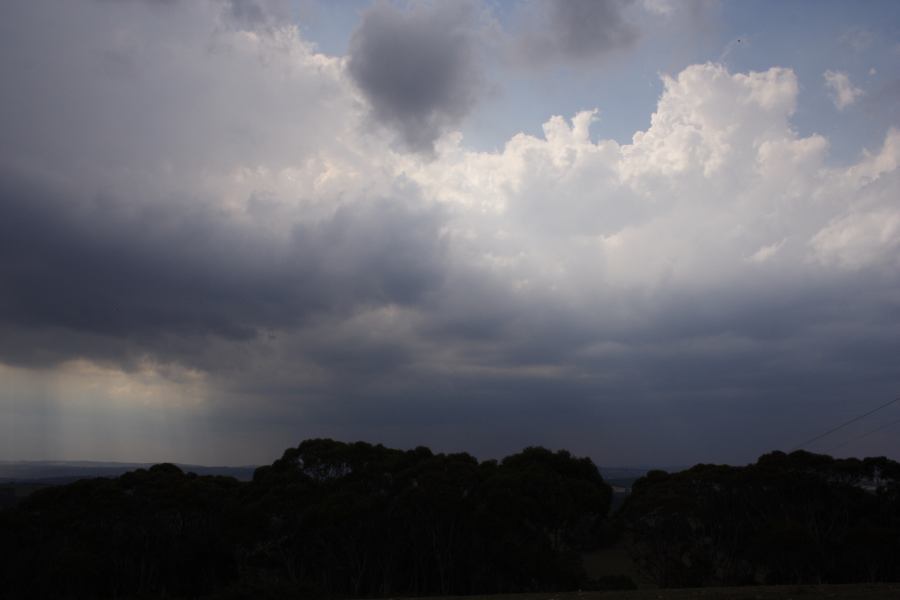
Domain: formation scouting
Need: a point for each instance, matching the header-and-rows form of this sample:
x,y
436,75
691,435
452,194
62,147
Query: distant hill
x,y
621,478
67,471
18,479
62,472
637,472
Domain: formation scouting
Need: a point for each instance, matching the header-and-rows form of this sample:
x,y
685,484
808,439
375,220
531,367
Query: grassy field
x,y
878,591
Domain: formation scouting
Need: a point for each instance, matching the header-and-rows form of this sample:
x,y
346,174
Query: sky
x,y
650,232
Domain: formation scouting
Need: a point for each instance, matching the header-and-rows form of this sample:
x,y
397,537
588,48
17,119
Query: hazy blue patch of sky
x,y
625,86
329,25
860,39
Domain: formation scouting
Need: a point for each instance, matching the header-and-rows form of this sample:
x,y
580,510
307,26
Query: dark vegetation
x,y
330,519
327,518
797,518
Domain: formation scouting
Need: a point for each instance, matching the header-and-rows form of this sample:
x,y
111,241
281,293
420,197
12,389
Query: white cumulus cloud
x,y
843,93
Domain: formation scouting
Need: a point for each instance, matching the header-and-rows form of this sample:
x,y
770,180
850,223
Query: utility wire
x,y
859,437
842,425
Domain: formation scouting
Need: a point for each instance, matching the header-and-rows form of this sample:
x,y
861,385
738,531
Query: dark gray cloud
x,y
418,67
93,267
196,198
575,30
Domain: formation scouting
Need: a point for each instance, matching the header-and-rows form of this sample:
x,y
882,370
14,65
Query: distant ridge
x,y
66,471
59,472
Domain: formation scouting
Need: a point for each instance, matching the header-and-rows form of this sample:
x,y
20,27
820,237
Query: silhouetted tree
x,y
797,518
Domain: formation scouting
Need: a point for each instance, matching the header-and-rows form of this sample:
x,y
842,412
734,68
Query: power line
x,y
842,425
859,437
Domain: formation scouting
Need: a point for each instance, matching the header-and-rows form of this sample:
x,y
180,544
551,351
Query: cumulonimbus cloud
x,y
206,200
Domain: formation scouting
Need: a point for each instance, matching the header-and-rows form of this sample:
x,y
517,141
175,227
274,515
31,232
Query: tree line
x,y
326,519
332,519
788,518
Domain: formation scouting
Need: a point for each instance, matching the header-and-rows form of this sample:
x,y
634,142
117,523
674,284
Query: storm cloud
x,y
97,267
575,30
419,68
208,243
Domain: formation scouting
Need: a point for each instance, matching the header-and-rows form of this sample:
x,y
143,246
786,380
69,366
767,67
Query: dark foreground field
x,y
877,591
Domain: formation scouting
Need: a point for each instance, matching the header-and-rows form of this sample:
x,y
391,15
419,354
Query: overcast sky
x,y
654,232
